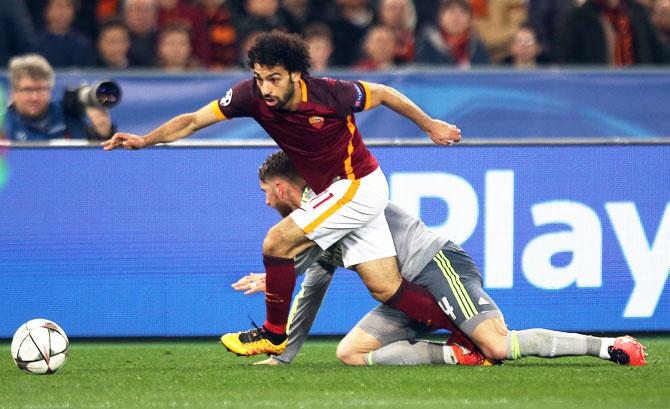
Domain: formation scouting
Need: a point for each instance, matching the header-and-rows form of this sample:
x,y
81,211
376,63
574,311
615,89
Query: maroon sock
x,y
279,284
418,303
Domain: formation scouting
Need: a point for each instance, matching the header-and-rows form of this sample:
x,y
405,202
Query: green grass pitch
x,y
201,374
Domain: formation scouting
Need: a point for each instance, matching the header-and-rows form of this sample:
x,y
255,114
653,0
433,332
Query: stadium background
x,y
570,236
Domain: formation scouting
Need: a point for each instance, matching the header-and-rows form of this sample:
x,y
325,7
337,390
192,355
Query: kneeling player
x,y
387,336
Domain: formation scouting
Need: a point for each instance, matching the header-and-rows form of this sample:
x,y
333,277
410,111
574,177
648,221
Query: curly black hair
x,y
277,165
280,49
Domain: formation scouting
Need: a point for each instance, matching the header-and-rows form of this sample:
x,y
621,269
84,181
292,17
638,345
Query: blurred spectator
x,y
113,45
547,18
32,116
191,16
400,17
236,7
319,39
296,14
174,48
91,14
60,44
425,13
36,9
378,48
107,9
524,49
247,40
17,34
610,32
141,18
647,4
222,34
453,41
350,22
660,17
85,19
496,21
261,15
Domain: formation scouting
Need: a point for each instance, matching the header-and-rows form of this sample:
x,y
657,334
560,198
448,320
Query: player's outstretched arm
x,y
441,132
176,128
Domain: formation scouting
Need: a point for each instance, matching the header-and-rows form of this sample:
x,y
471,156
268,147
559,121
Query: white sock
x,y
412,353
448,355
606,342
550,344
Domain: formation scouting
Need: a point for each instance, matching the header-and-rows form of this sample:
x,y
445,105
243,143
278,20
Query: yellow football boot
x,y
251,342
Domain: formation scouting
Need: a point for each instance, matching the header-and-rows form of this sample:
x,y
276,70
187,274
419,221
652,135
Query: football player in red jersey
x,y
312,120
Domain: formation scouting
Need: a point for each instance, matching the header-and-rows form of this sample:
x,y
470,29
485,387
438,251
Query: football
x,y
40,347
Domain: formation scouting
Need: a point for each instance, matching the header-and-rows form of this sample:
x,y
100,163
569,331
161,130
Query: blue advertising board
x,y
147,243
485,104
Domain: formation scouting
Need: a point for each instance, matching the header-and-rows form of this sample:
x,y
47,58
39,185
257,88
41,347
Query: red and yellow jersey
x,y
320,138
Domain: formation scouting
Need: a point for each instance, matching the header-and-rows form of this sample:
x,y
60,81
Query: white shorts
x,y
351,212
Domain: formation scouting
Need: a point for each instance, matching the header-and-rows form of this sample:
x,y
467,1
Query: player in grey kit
x,y
387,336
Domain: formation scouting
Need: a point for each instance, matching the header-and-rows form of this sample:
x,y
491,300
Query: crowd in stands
x,y
365,35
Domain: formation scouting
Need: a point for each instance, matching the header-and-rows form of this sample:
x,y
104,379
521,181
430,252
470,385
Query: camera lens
x,y
106,93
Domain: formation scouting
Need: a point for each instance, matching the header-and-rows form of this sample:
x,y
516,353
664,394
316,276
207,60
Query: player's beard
x,y
283,209
281,102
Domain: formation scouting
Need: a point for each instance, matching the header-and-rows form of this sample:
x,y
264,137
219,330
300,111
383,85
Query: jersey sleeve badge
x,y
225,100
358,101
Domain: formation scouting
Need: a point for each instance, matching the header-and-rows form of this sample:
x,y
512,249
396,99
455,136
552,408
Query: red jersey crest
x,y
316,121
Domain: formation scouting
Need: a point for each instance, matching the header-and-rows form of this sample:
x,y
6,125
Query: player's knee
x,y
383,293
491,338
494,348
344,354
273,245
348,355
269,247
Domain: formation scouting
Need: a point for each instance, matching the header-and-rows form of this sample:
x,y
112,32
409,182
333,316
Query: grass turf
x,y
201,374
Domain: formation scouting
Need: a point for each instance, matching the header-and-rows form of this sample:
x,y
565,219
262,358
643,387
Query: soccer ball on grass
x,y
40,347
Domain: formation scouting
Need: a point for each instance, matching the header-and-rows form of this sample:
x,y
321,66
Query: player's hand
x,y
252,283
443,133
124,140
269,361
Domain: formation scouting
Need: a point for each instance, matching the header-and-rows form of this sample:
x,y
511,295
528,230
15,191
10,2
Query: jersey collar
x,y
303,90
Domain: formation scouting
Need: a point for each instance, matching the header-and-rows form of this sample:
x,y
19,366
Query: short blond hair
x,y
33,66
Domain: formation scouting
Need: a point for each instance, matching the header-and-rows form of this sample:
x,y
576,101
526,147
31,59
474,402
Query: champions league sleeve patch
x,y
360,95
225,101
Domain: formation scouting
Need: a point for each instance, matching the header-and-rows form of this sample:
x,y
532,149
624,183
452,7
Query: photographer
x,y
32,116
